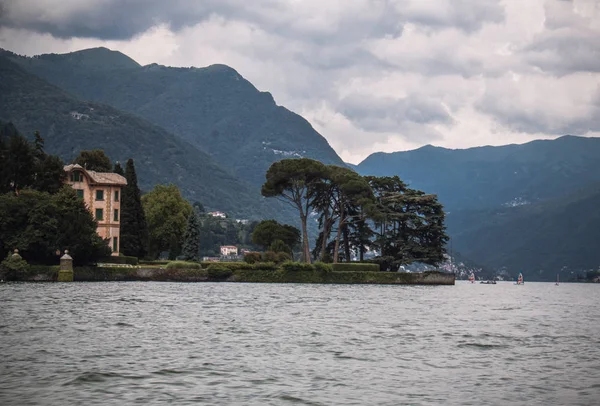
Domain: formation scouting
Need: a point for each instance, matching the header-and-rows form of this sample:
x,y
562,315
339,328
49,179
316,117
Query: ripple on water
x,y
154,343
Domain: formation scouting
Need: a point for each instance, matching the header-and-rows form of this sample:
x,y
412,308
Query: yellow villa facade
x,y
101,192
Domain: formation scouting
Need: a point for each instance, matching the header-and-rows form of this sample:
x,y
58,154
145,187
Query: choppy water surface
x,y
204,343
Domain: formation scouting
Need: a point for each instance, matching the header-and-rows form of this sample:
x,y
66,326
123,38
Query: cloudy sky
x,y
370,75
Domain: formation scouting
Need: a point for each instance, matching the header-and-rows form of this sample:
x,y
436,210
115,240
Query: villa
x,y
101,192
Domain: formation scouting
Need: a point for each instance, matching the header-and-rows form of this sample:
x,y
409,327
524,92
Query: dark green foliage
x,y
409,224
323,267
386,263
121,259
355,267
134,230
268,231
297,267
25,164
252,257
167,215
191,239
279,246
13,268
183,265
39,224
296,181
219,272
118,169
94,160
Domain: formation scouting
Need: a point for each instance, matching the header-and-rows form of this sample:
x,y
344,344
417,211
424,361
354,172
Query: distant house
x,y
101,192
217,214
242,221
228,250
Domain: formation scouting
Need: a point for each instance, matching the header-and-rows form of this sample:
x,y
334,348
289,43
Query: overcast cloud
x,y
370,75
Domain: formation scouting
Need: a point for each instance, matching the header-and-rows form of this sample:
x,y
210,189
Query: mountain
x,y
70,125
543,239
213,108
531,206
493,176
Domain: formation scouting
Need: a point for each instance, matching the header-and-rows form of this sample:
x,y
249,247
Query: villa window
x,y
76,176
99,194
116,215
115,246
79,193
99,214
116,195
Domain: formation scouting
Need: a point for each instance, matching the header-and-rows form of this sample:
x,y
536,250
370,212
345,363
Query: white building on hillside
x,y
228,250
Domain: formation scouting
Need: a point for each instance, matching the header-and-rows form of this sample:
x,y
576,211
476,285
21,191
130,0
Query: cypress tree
x,y
191,242
118,169
134,231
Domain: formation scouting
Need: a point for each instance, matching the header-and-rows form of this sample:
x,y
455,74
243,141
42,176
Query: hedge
x,y
355,267
183,265
122,260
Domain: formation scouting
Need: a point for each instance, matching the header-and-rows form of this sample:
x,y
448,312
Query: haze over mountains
x,y
212,133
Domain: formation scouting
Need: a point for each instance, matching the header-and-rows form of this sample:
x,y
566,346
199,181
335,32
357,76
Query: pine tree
x,y
134,231
191,242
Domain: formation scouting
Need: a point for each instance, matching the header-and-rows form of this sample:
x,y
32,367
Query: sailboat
x,y
520,279
556,280
472,278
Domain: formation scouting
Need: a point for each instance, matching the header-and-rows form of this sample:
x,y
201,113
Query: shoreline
x,y
146,274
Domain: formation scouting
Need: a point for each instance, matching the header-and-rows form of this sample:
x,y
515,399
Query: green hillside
x,y
70,125
214,108
543,239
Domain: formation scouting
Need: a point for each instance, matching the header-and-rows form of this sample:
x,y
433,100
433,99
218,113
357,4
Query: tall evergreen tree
x,y
134,231
118,169
191,239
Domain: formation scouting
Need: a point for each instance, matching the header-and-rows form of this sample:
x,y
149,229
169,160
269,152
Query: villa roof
x,y
99,178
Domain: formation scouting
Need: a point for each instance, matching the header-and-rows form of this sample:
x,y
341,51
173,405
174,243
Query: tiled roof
x,y
100,178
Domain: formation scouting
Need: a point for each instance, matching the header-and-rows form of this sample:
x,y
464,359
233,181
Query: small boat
x,y
492,282
472,278
520,279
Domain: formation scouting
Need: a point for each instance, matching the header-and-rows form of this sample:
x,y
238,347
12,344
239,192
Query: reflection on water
x,y
204,343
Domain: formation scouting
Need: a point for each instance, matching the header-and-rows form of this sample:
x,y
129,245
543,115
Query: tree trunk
x,y
306,249
338,237
346,243
326,232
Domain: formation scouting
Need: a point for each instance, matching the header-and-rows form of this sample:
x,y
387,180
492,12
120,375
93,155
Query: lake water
x,y
261,344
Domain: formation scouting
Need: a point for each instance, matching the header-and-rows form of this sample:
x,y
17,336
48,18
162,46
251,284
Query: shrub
x,y
279,246
265,266
297,267
183,265
219,271
252,257
121,259
322,267
385,263
269,256
355,267
283,257
13,268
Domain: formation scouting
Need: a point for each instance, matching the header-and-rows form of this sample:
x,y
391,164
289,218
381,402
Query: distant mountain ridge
x,y
533,207
486,177
214,108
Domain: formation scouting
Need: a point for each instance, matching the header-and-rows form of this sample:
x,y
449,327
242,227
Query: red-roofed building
x,y
101,193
